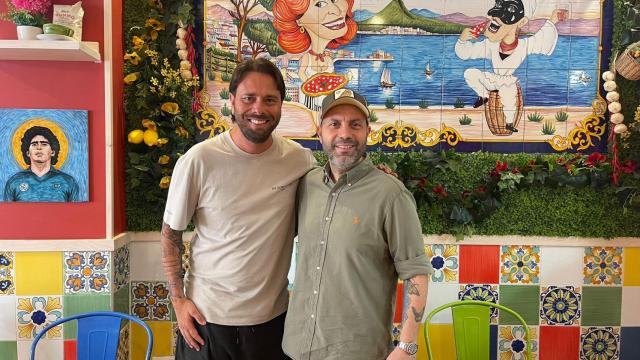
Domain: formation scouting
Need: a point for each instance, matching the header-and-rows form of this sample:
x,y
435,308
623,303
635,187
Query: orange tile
x,y
479,264
162,341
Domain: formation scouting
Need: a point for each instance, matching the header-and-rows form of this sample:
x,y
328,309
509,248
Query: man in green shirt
x,y
358,232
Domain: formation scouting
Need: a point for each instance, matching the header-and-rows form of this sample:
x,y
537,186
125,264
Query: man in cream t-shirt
x,y
239,189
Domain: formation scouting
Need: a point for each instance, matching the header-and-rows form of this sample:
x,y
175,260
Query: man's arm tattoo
x,y
417,315
412,288
172,250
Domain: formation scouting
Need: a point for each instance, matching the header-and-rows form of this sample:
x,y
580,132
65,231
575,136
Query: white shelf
x,y
49,50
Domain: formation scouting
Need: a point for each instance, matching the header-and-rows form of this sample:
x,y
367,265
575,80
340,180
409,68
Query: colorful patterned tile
x,y
483,293
523,299
147,265
186,257
121,300
444,260
630,343
520,265
70,350
600,343
86,272
161,339
560,305
8,330
75,304
124,343
9,350
479,264
630,306
48,349
395,333
438,295
602,266
7,276
34,313
559,342
120,267
601,306
561,266
150,300
631,268
512,342
38,273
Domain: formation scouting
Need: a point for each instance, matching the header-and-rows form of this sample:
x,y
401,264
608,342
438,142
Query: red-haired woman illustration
x,y
310,27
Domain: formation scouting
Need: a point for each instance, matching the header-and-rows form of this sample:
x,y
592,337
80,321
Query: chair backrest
x,y
471,328
98,334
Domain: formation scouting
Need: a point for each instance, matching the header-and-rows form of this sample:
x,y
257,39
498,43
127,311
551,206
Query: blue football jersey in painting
x,y
54,186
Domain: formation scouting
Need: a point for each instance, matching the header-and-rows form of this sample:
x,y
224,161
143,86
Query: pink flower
x,y
33,6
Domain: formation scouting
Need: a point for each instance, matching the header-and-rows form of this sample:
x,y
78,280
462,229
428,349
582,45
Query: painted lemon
x,y
135,136
150,137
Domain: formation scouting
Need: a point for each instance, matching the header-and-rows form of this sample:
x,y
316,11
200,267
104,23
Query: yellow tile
x,y
442,342
631,270
39,273
162,341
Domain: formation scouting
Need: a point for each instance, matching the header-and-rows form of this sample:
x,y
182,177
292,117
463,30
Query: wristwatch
x,y
409,348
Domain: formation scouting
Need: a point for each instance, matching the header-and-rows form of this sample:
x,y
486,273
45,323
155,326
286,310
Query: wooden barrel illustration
x,y
495,116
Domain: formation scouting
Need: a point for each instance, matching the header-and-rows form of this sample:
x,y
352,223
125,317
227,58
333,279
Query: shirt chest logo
x,y
23,187
356,220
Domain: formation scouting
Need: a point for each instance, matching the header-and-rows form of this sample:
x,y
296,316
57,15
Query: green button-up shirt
x,y
356,237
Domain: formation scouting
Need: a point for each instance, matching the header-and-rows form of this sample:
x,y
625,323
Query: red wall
x,y
120,220
60,85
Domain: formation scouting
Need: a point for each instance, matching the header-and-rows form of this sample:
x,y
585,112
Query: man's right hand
x,y
186,314
466,35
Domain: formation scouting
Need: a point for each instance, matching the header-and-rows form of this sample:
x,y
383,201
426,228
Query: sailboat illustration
x,y
427,70
385,79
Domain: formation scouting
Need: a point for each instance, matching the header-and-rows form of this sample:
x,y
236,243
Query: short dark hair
x,y
260,65
43,131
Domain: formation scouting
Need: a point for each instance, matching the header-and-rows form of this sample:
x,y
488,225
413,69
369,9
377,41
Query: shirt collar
x,y
352,176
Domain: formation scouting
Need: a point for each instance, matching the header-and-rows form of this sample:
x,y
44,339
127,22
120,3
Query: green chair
x,y
471,326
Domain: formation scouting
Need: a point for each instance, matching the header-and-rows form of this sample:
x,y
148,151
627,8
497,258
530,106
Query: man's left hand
x,y
399,354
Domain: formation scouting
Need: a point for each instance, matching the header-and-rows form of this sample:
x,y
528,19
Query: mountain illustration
x,y
462,19
397,14
361,15
218,13
424,13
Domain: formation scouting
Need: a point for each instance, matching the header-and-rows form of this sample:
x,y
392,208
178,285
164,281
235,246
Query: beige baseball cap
x,y
341,97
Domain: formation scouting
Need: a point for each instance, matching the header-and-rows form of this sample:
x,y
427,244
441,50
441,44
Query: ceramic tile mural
x,y
520,265
444,260
121,269
560,305
34,313
436,73
7,277
600,343
86,271
602,266
512,343
150,300
483,293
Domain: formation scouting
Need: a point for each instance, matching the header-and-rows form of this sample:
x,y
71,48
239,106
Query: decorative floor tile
x,y
7,276
76,304
123,343
479,264
8,330
483,293
444,260
523,299
630,343
559,342
9,350
560,305
150,300
86,271
438,295
147,265
512,344
631,269
121,268
630,315
48,349
34,313
602,266
520,265
561,266
601,306
600,343
38,273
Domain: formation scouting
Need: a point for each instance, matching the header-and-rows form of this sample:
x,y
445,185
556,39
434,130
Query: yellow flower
x,y
181,132
154,81
138,42
133,58
164,182
170,108
163,160
154,24
155,3
131,78
150,137
162,141
149,124
135,136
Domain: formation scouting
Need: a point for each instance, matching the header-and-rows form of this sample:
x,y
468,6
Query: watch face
x,y
412,348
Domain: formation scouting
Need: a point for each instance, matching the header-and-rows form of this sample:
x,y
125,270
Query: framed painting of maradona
x,y
44,155
496,75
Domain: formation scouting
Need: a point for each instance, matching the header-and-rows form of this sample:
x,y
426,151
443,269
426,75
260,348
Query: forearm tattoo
x,y
417,314
172,250
412,288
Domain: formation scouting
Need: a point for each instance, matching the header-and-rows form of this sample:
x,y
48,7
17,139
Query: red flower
x,y
422,182
440,190
595,159
628,167
515,170
500,167
560,161
482,189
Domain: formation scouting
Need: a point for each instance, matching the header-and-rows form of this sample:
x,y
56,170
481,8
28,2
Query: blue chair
x,y
98,334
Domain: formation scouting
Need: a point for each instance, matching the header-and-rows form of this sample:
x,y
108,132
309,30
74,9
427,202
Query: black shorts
x,y
221,342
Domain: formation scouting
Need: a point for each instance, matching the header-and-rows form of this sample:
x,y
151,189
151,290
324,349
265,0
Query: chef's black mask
x,y
509,11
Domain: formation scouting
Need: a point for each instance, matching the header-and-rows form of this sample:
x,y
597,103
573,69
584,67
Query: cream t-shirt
x,y
242,206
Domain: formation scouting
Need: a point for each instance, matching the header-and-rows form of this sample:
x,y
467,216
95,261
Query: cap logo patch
x,y
344,93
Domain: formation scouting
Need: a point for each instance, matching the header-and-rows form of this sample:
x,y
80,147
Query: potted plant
x,y
28,15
